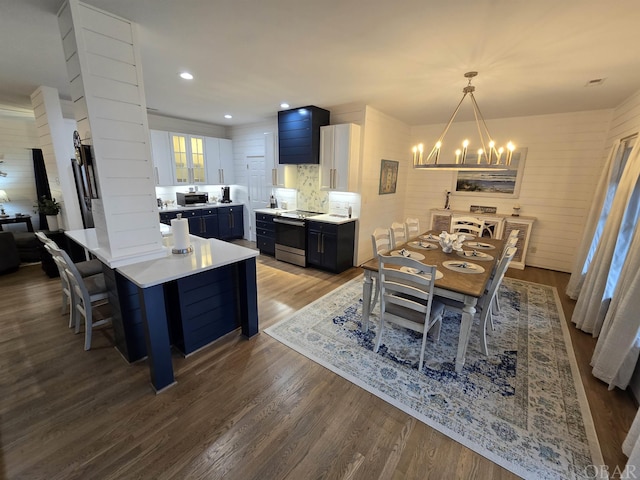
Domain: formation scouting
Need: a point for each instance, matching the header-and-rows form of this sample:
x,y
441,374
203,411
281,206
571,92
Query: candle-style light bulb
x,y
438,145
500,150
458,152
421,150
465,144
511,147
492,146
480,152
415,153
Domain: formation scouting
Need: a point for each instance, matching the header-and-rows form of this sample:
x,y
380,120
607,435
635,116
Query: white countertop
x,y
323,217
179,208
207,254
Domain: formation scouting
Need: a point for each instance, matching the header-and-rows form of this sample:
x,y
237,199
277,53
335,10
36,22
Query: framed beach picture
x,y
388,176
493,183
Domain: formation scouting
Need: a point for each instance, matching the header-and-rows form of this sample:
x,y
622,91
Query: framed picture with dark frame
x,y
492,183
388,176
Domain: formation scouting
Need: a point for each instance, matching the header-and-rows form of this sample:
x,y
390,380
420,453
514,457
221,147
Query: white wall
x,y
566,154
384,138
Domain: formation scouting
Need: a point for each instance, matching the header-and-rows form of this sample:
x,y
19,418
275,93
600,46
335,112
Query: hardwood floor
x,y
241,408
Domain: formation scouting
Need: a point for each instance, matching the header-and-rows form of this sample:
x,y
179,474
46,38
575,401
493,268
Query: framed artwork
x,y
388,176
493,183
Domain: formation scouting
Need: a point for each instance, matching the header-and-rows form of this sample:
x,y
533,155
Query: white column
x,y
103,65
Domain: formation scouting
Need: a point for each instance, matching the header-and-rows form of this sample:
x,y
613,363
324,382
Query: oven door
x,y
291,240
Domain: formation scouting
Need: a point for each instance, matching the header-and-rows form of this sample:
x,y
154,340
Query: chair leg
x,y
376,292
65,303
87,331
496,303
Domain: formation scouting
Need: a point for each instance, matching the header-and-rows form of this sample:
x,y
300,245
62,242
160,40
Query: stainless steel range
x,y
291,236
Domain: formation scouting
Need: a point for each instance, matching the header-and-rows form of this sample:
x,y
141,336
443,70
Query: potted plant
x,y
50,208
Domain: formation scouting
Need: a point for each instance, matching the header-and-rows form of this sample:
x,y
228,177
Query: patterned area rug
x,y
522,407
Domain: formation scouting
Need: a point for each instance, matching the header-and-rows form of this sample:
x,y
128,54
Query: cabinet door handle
x,y
222,172
203,225
157,176
274,176
319,249
322,238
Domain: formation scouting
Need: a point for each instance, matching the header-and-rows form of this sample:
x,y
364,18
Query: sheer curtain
x,y
605,269
595,222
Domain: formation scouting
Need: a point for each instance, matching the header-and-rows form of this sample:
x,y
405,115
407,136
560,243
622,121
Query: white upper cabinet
x,y
219,161
339,157
188,159
277,175
161,157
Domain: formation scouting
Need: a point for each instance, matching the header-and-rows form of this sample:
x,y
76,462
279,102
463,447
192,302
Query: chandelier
x,y
488,157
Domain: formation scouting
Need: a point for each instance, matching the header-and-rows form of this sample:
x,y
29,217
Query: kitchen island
x,y
186,301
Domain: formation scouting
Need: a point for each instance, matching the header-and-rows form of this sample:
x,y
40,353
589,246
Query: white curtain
x,y
602,277
616,352
591,234
631,448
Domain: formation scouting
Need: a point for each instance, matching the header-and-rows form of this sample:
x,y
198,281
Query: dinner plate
x,y
425,246
462,267
429,237
475,255
439,274
409,254
484,246
467,236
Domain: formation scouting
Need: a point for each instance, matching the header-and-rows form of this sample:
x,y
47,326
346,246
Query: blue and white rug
x,y
522,407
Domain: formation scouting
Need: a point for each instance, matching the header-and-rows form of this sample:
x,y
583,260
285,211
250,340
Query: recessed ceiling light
x,y
228,116
284,105
186,76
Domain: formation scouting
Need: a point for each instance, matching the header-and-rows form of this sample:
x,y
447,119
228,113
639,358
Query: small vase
x,y
447,249
52,222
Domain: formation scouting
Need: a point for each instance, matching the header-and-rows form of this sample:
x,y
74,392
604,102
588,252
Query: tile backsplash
x,y
310,197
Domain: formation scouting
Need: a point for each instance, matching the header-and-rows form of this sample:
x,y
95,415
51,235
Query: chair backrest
x,y
398,234
82,298
514,233
498,275
467,225
61,265
413,227
381,241
43,238
511,242
400,289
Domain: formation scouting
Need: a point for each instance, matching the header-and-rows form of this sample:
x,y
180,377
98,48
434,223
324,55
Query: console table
x,y
19,219
496,225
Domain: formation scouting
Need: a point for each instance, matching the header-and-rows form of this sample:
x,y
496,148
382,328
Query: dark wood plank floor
x,y
242,408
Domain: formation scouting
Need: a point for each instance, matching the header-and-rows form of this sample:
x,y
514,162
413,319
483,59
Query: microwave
x,y
191,198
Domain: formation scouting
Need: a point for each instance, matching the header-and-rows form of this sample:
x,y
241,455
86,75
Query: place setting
x,y
408,254
423,245
484,246
476,255
429,237
463,267
415,271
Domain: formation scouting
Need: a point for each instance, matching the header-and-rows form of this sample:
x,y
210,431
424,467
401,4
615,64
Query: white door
x,y
258,192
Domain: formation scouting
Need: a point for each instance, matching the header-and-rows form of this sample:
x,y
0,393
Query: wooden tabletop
x,y
472,284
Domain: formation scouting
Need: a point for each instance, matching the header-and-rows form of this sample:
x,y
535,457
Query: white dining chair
x,y
406,299
412,227
381,242
398,234
94,284
467,225
512,241
93,314
484,305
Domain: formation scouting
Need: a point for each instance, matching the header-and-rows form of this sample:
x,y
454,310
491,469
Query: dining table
x,y
463,276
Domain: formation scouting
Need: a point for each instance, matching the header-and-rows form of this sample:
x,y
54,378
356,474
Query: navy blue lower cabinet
x,y
330,246
203,307
230,222
265,233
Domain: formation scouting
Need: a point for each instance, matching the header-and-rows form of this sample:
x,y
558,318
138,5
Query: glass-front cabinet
x,y
188,159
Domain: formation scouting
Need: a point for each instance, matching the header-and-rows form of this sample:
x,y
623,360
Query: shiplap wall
x,y
18,136
57,150
103,66
384,138
566,154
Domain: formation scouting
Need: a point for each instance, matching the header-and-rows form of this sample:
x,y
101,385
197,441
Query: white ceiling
x,y
406,58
